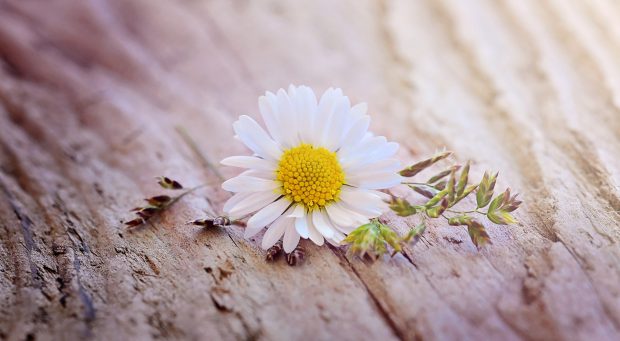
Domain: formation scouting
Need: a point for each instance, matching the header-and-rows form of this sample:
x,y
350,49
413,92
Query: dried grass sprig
x,y
159,203
442,191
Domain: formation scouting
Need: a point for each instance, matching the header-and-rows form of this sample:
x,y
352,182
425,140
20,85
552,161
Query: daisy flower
x,y
315,172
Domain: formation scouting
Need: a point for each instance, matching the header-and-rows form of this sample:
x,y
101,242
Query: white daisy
x,y
315,172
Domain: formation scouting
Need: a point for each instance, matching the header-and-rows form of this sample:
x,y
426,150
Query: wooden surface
x,y
91,92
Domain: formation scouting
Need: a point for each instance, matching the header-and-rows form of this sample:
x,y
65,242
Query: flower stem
x,y
417,184
465,212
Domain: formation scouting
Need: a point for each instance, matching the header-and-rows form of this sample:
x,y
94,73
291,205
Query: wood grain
x,y
91,93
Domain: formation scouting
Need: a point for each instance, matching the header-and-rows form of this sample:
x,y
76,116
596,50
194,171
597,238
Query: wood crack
x,y
385,315
26,230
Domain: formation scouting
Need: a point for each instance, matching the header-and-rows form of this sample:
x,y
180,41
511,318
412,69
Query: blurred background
x,y
91,93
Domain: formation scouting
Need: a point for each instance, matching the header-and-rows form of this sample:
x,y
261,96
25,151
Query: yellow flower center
x,y
311,176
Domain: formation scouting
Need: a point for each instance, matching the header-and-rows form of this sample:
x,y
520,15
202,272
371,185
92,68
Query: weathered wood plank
x,y
91,93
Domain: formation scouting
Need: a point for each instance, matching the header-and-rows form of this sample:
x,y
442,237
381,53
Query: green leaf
x,y
460,187
502,218
466,192
496,202
402,207
478,234
450,188
371,240
366,241
414,234
436,211
442,174
441,185
459,220
500,208
485,189
390,237
422,165
434,200
425,190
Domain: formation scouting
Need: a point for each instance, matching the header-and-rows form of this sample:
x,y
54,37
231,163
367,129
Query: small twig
x,y
177,198
159,203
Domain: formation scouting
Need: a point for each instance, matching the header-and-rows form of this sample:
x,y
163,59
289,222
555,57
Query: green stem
x,y
465,212
417,184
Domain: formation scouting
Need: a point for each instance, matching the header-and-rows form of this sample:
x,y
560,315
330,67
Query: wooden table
x,y
91,93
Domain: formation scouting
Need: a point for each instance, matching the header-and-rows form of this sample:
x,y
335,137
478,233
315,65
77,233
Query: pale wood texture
x,y
90,93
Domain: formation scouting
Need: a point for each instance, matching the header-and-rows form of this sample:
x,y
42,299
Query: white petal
x,y
301,225
298,211
309,113
358,110
252,203
244,183
323,116
354,136
265,216
262,174
346,229
363,201
375,180
268,110
338,215
291,239
255,138
384,196
359,195
297,97
354,218
234,200
366,146
313,233
275,231
249,162
337,239
367,156
386,165
386,151
338,234
340,116
287,120
321,224
343,219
